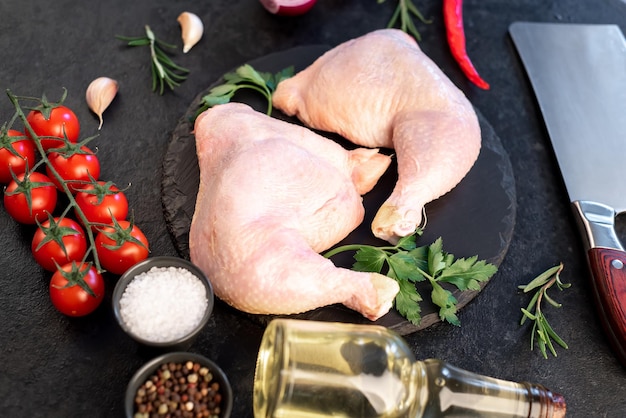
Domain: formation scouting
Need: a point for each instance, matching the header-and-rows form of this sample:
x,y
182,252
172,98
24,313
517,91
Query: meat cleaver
x,y
578,74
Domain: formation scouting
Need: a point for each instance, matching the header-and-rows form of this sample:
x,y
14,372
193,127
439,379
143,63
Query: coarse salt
x,y
163,304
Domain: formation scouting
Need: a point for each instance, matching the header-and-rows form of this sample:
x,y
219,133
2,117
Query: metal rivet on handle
x,y
617,264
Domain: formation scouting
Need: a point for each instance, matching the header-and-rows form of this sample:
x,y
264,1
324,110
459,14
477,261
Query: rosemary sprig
x,y
403,11
164,70
542,330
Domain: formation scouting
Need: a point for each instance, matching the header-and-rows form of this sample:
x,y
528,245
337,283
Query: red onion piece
x,y
288,7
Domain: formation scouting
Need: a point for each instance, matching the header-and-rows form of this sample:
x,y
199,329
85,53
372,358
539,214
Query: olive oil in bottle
x,y
309,369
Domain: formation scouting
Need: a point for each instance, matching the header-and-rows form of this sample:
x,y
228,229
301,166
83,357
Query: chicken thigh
x,y
272,195
381,90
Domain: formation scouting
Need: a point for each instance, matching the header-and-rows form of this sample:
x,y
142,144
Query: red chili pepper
x,y
453,19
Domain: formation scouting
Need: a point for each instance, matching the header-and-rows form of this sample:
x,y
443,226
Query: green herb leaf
x,y
446,302
529,308
409,264
541,280
436,261
165,72
409,242
246,72
139,42
245,77
466,273
542,332
369,259
405,12
420,259
407,302
402,265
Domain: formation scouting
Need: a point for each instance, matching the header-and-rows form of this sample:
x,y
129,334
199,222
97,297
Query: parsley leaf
x,y
245,77
407,302
369,259
446,302
409,264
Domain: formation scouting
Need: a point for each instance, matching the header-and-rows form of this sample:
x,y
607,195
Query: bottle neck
x,y
419,390
442,390
544,403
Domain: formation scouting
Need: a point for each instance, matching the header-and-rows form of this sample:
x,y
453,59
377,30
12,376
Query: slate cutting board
x,y
475,218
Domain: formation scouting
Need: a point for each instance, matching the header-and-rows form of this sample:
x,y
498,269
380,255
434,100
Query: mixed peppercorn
x,y
179,390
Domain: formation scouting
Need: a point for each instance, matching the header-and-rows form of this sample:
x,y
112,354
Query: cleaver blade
x,y
578,74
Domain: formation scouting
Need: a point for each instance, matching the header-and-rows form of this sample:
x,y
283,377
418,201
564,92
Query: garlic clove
x,y
100,93
191,29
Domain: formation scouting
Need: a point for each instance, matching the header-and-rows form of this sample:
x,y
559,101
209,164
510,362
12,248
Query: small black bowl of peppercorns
x,y
179,384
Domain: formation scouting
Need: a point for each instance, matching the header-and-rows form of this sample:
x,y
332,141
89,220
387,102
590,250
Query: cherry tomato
x,y
121,246
61,241
15,154
42,193
62,122
101,202
75,168
76,289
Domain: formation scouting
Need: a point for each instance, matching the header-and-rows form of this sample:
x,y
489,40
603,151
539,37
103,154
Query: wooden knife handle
x,y
607,261
608,269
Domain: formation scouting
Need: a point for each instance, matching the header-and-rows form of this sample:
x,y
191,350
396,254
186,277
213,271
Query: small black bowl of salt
x,y
163,302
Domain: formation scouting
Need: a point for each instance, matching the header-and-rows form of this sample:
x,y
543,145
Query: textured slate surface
x,y
59,367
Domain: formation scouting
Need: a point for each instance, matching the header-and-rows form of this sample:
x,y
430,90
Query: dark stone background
x,y
54,366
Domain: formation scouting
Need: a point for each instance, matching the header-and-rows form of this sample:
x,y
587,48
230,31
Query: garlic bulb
x,y
192,29
100,93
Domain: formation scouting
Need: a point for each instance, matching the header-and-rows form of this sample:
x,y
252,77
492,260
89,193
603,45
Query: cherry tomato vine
x,y
44,160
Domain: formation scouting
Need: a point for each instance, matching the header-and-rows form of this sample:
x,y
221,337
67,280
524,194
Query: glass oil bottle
x,y
309,369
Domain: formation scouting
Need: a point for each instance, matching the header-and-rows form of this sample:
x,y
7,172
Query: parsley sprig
x,y
164,70
409,264
245,77
403,11
542,330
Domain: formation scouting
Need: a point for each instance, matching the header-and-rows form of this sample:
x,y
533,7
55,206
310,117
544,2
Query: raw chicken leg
x,y
272,195
380,90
